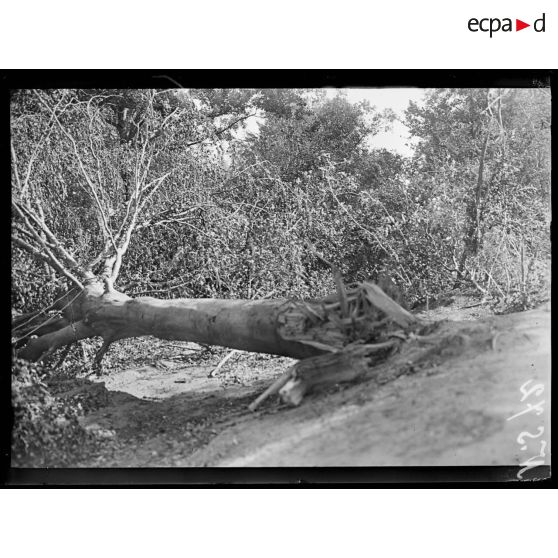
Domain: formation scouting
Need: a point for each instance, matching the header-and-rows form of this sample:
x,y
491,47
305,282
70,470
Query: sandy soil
x,y
451,407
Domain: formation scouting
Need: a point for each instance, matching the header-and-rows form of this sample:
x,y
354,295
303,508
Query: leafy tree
x,y
92,168
312,157
165,192
482,164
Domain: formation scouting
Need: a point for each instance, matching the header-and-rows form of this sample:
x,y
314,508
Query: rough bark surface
x,y
238,324
295,329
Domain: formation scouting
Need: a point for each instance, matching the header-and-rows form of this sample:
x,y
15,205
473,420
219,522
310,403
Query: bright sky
x,y
397,99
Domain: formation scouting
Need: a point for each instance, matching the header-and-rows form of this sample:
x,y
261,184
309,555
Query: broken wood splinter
x,y
273,388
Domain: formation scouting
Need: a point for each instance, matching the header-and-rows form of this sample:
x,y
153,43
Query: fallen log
x,y
335,339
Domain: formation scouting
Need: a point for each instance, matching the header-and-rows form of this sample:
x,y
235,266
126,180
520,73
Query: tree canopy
x,y
167,192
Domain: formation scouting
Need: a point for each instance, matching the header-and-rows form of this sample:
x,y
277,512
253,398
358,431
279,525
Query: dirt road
x,y
461,406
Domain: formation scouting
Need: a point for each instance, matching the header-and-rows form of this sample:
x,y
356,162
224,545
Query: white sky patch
x,y
397,99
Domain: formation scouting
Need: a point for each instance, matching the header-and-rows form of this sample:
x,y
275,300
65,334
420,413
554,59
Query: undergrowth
x,y
46,429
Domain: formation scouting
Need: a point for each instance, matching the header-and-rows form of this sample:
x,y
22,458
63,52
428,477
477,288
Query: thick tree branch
x,y
45,345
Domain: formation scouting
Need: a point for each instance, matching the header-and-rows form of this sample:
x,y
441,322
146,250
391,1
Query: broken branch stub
x,y
330,369
382,301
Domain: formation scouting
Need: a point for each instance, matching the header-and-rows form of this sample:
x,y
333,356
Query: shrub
x,y
46,429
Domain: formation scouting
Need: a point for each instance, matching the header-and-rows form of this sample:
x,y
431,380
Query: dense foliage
x,y
169,194
46,429
484,164
226,212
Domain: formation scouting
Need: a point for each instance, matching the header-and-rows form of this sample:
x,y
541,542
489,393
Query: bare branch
x,y
158,182
28,230
14,165
96,157
49,258
62,253
88,180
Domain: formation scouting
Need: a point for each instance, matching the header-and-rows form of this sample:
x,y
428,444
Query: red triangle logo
x,y
519,25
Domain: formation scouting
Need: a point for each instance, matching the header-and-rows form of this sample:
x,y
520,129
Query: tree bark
x,y
296,329
471,239
246,325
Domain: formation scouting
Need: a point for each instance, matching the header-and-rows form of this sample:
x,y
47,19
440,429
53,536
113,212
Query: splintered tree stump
x,y
354,336
333,368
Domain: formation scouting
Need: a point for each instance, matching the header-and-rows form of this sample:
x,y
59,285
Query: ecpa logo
x,y
494,24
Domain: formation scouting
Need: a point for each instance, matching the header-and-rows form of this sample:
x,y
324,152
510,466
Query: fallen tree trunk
x,y
239,324
335,338
297,329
